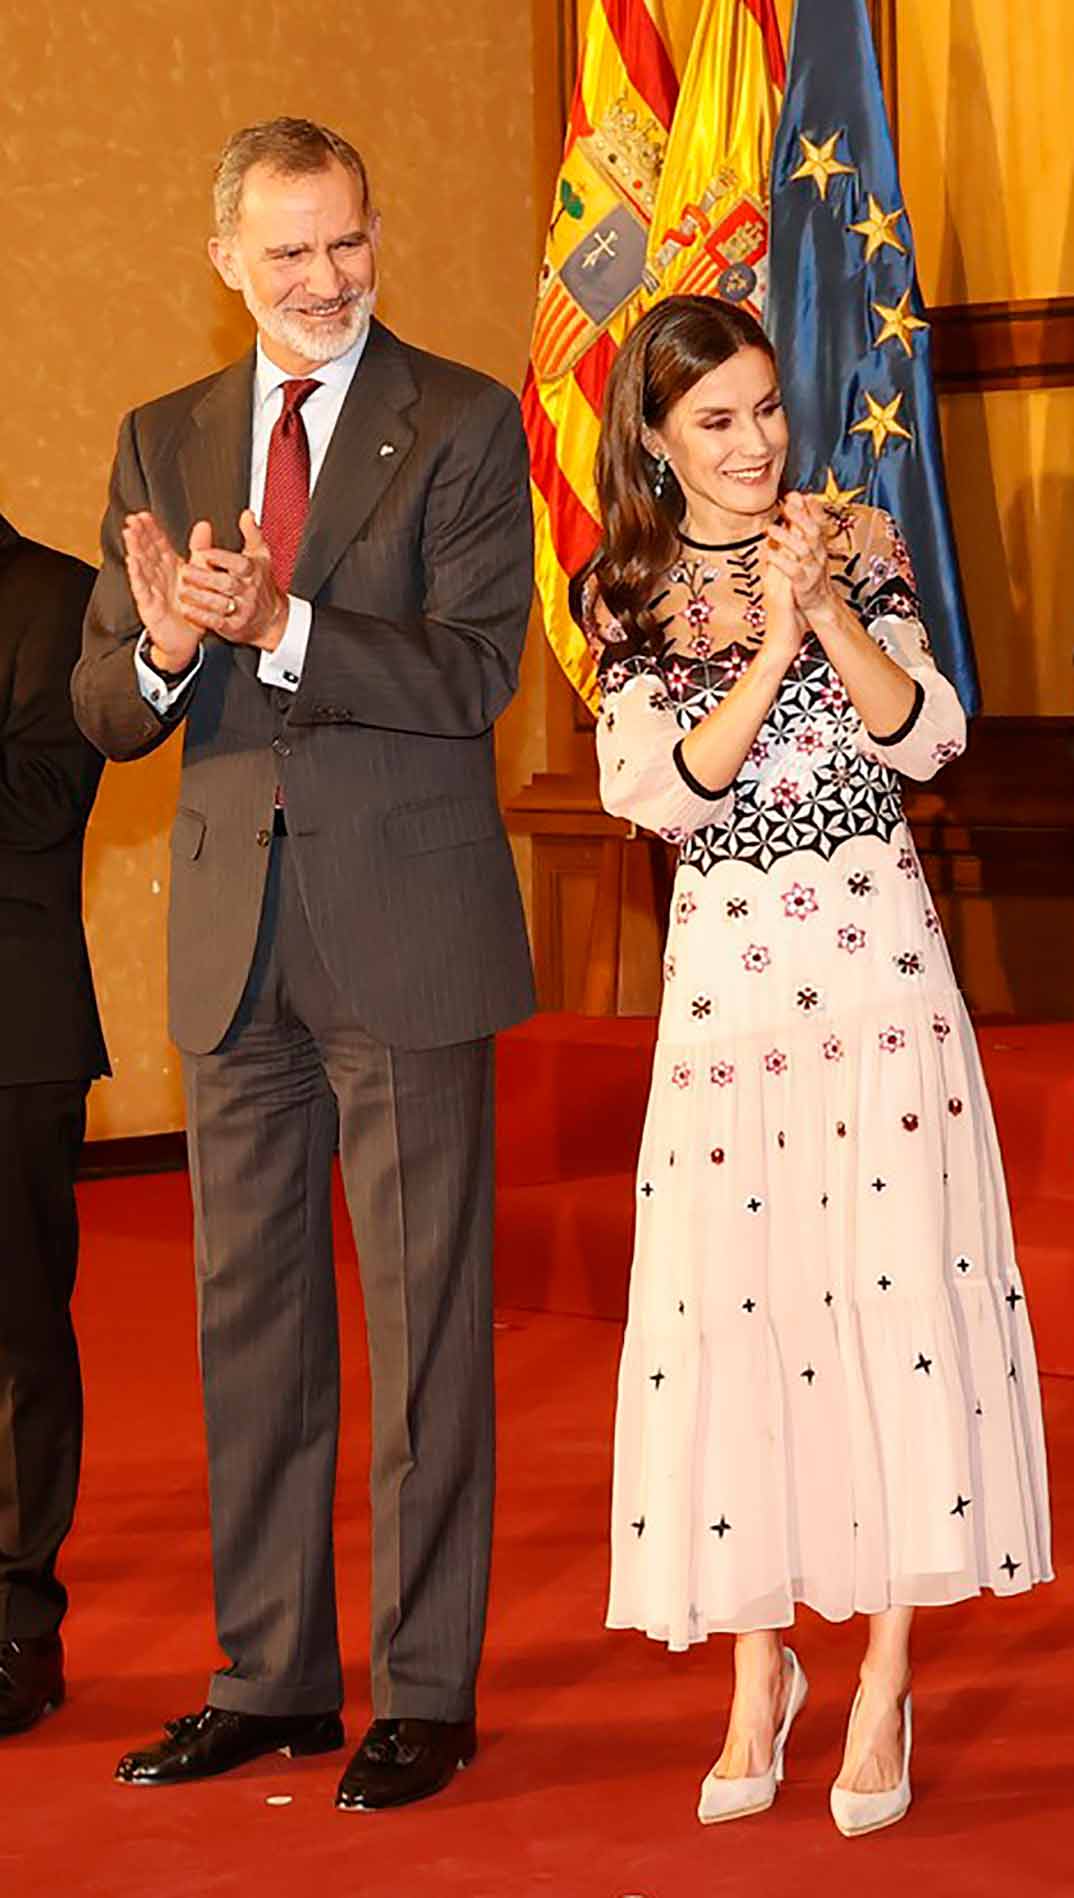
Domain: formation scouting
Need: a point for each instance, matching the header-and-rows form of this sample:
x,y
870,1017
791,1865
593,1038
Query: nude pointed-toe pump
x,y
737,1798
857,1813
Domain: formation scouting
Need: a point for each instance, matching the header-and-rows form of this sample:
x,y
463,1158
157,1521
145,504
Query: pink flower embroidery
x,y
759,751
833,696
678,681
833,1048
800,901
891,1040
908,863
810,740
615,677
941,1027
701,646
932,922
851,938
681,1074
785,791
756,958
722,1073
943,753
684,907
697,613
734,667
776,1062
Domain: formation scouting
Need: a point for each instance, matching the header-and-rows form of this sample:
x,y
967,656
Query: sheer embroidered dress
x,y
828,1391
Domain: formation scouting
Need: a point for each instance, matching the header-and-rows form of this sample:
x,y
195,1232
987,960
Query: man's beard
x,y
319,341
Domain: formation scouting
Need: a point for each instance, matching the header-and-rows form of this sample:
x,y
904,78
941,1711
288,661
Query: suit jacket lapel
x,y
369,444
214,462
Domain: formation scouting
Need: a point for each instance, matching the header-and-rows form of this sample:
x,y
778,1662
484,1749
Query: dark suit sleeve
x,y
48,773
450,671
108,701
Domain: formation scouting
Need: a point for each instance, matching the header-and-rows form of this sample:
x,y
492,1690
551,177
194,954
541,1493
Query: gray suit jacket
x,y
418,565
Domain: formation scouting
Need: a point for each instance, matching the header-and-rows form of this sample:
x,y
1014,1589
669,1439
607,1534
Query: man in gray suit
x,y
318,563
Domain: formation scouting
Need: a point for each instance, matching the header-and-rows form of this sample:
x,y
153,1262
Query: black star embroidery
x,y
749,1305
878,1185
923,1364
962,1503
828,1299
657,1379
1010,1566
754,1204
885,1283
1014,1297
781,1141
824,1199
647,1189
639,1527
809,1374
671,1159
720,1528
682,1308
1012,1372
963,1265
978,1412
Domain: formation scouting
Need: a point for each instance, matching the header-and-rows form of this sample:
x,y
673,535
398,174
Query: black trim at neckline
x,y
721,546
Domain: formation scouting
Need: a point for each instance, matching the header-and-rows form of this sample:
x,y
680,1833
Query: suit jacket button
x,y
281,747
264,837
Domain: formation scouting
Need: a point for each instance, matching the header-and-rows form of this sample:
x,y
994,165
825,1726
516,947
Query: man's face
x,y
303,255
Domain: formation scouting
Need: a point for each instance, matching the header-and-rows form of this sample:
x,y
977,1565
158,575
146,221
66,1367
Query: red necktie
x,y
287,482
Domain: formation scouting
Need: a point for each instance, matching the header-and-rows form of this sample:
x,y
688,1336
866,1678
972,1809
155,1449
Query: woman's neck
x,y
718,526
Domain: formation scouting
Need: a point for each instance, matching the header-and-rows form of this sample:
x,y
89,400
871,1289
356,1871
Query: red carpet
x,y
593,1743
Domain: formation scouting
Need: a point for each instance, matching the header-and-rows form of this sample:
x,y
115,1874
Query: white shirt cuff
x,y
158,693
284,666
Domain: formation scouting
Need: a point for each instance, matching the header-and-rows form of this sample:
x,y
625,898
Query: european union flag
x,y
846,316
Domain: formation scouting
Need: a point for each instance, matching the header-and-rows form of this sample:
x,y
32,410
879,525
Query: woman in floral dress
x,y
828,1392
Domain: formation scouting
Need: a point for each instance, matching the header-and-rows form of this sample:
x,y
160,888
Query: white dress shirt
x,y
320,413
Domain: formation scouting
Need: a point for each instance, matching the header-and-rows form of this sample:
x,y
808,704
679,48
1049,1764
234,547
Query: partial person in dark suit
x,y
319,563
51,1048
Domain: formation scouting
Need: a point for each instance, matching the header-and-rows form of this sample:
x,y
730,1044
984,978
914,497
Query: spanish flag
x,y
663,190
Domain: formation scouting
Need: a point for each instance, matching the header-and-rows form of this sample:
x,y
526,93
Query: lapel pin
x,y
387,448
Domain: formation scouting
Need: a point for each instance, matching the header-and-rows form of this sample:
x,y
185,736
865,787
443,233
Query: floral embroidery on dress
x,y
860,883
756,958
909,963
776,1061
681,1074
851,938
941,1027
800,901
891,1040
832,1048
722,1073
737,909
685,907
809,998
701,1007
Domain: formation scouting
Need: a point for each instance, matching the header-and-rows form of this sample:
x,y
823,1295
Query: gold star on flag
x,y
837,496
898,323
819,161
880,423
878,229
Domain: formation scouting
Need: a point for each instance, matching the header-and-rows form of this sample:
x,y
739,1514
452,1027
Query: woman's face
x,y
726,438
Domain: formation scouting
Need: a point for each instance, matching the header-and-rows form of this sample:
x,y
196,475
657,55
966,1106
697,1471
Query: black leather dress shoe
x,y
203,1744
400,1761
31,1682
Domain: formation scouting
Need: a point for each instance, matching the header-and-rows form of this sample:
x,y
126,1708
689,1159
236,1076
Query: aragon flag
x,y
663,190
846,316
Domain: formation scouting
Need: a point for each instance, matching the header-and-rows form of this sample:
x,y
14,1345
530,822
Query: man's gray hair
x,y
291,148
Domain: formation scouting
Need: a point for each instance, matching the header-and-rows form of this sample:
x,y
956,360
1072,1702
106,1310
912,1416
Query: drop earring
x,y
661,475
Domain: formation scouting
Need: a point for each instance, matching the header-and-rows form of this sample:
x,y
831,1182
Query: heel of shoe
x,y
323,1736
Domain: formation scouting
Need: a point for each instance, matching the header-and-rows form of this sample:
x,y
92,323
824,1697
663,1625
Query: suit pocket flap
x,y
188,833
441,824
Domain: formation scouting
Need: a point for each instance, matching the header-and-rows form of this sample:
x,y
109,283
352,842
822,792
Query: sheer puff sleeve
x,y
639,742
885,596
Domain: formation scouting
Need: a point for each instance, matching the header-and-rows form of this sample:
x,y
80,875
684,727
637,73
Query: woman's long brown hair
x,y
672,346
